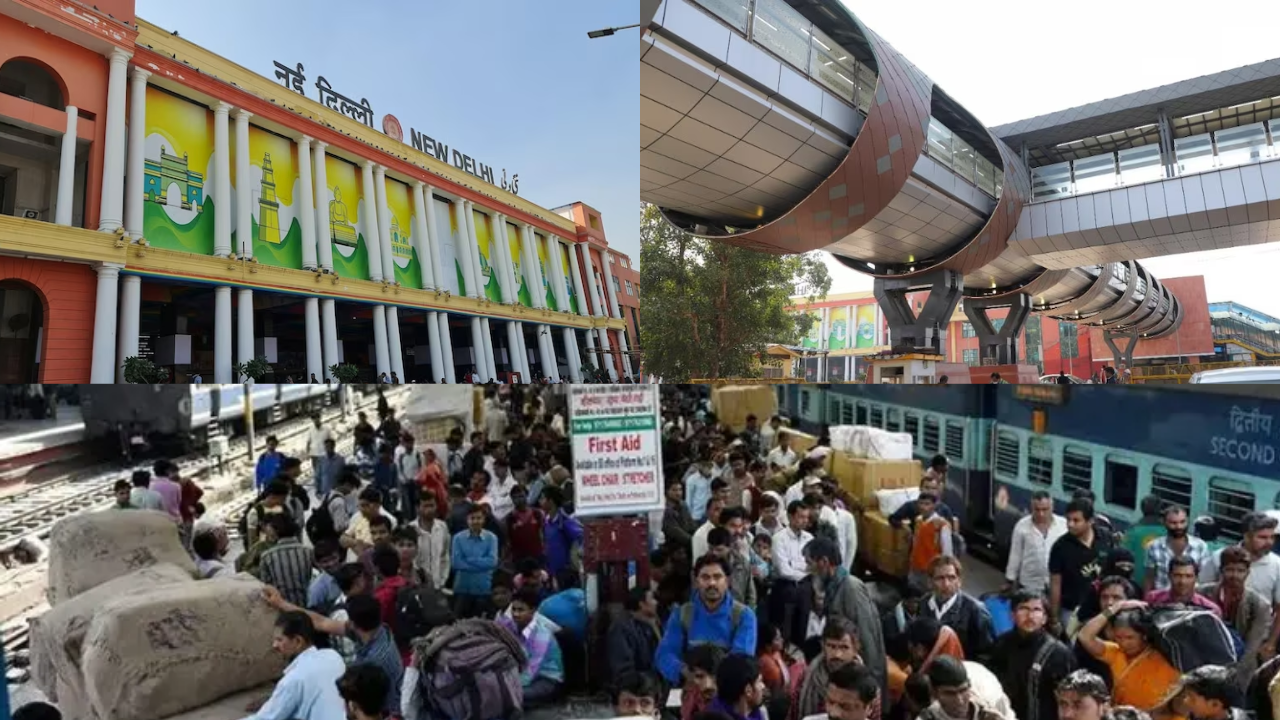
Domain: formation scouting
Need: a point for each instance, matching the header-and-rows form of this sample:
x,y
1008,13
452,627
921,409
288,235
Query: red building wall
x,y
68,293
1194,336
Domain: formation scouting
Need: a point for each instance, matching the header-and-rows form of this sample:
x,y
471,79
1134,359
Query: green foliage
x,y
254,370
344,373
141,371
711,307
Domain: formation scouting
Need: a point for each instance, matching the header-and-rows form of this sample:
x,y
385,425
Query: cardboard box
x,y
884,547
861,478
733,403
802,443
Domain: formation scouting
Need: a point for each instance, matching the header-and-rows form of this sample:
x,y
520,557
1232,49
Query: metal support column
x,y
1000,347
925,331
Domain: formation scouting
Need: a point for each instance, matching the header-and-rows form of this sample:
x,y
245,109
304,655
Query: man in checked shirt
x,y
287,565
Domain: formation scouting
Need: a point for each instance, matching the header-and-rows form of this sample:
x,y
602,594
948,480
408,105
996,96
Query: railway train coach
x,y
1215,453
181,418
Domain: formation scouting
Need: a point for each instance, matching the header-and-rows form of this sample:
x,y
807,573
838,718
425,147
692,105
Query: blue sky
x,y
513,83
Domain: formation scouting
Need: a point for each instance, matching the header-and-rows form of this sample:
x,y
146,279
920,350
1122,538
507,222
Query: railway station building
x,y
159,201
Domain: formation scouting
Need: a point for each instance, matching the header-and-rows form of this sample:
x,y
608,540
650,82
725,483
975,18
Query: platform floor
x,y
25,437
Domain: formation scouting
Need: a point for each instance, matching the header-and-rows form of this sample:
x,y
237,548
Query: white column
x,y
380,340
606,357
324,245
135,175
626,355
222,335
571,355
513,346
509,261
550,367
221,182
584,302
384,224
315,352
477,350
442,274
490,358
111,214
501,252
614,310
244,189
595,300
533,268
422,232
446,348
437,354
460,209
527,369
369,214
130,316
329,336
102,369
67,169
473,249
393,341
305,210
555,251
244,328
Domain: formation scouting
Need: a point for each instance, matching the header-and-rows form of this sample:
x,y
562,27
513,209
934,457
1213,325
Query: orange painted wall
x,y
1194,336
119,9
68,292
83,76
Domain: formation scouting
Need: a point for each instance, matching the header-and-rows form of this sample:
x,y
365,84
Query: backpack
x,y
243,525
1033,682
320,525
686,621
470,670
419,610
1259,692
1190,638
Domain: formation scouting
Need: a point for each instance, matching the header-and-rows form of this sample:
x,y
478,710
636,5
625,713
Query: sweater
x,y
1012,658
852,600
971,621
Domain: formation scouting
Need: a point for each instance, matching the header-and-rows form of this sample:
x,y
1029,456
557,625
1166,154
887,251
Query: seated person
x,y
701,662
543,677
637,694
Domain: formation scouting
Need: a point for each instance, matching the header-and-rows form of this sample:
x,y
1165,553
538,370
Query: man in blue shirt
x,y
710,617
474,556
309,689
268,463
560,534
324,592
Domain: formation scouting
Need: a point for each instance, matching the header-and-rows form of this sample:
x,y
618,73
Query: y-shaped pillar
x,y
1122,359
998,346
925,331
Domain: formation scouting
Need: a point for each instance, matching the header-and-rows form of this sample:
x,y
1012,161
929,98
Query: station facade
x,y
159,201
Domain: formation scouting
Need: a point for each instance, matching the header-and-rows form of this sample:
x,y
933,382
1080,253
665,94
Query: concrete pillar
x,y
508,264
473,250
244,328
550,365
593,289
533,271
324,244
102,369
384,224
490,358
446,348
130,317
422,232
592,355
513,347
329,336
67,169
478,355
498,259
441,273
222,335
606,357
369,216
461,209
614,310
135,174
221,182
111,214
555,251
315,353
380,360
571,355
305,210
437,354
244,189
925,330
584,302
626,353
393,341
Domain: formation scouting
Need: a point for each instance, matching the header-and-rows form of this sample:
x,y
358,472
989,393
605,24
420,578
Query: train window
x,y
860,418
955,440
1229,502
804,403
931,433
833,409
1008,448
1172,485
1040,461
1077,469
846,413
893,420
912,423
1121,489
877,416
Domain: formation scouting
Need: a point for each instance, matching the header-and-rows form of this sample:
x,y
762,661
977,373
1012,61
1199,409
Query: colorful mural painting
x,y
866,329
346,208
815,332
548,287
449,238
404,255
568,277
488,257
178,209
517,260
838,337
273,187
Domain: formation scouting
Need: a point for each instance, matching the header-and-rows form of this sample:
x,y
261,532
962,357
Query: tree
x,y
711,307
141,371
254,370
345,373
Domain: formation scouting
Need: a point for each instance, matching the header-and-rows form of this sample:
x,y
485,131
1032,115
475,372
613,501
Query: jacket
x,y
1251,621
707,627
970,620
678,525
853,601
631,644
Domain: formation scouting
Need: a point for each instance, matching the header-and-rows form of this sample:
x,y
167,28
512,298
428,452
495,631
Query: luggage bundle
x,y
1192,637
470,670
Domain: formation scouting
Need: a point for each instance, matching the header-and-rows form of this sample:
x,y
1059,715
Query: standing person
x,y
142,497
324,592
434,542
715,508
958,610
1141,534
930,540
170,492
1141,675
697,487
1246,612
1028,661
740,690
523,527
964,690
364,689
1182,587
316,438
1033,536
363,434
1176,543
500,487
474,558
409,463
840,648
789,602
721,544
783,455
389,429
359,535
1074,561
845,596
272,502
678,526
710,617
329,469
431,480
852,691
308,690
563,533
287,564
1082,695
384,474
268,464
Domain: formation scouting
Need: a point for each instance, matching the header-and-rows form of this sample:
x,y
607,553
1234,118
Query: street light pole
x,y
609,31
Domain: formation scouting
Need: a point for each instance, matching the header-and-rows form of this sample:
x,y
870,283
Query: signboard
x,y
1042,394
617,451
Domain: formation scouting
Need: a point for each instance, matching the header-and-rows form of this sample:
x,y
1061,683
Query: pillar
x,y
498,260
1001,345
926,330
554,252
393,341
422,232
102,369
490,358
550,366
626,353
461,208
315,353
584,302
571,355
594,292
305,210
384,224
507,262
67,170
614,310
606,355
221,184
437,356
111,214
513,347
380,362
369,216
443,275
324,245
329,336
244,327
478,355
135,174
130,316
222,335
533,270
473,250
244,189
446,348
591,349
